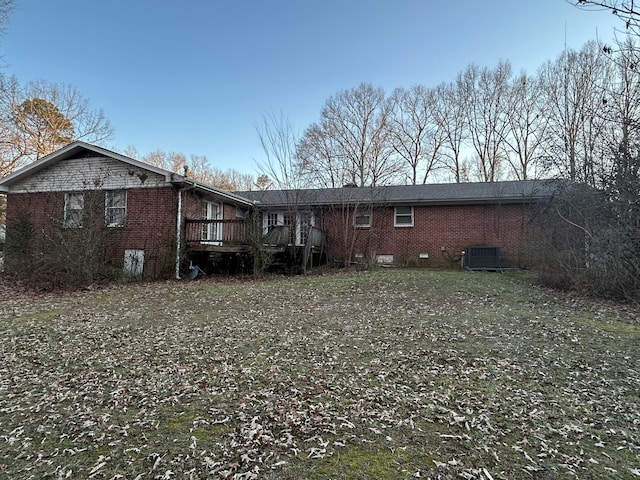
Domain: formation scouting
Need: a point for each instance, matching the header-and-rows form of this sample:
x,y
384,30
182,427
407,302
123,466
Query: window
x,y
362,218
404,217
290,222
115,207
292,228
73,210
241,213
210,230
272,221
305,226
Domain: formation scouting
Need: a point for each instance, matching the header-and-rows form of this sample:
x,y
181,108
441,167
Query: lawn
x,y
385,374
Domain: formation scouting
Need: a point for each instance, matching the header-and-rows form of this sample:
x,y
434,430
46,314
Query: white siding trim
x,y
95,173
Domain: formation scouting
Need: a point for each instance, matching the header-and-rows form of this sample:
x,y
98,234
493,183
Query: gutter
x,y
235,199
179,229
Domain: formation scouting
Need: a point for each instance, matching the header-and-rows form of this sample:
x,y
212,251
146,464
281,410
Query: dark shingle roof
x,y
438,193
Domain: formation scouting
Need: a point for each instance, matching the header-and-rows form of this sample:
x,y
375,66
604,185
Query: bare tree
x,y
172,161
8,159
622,107
449,114
354,126
627,10
415,134
11,145
39,118
320,160
279,142
575,87
593,228
527,126
282,167
198,168
229,179
486,93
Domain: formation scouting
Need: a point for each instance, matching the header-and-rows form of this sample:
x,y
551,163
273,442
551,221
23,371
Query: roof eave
x,y
414,202
215,191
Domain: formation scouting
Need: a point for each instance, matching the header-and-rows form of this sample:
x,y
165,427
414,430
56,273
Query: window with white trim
x,y
403,217
210,211
73,210
272,221
296,224
305,225
362,217
115,208
289,221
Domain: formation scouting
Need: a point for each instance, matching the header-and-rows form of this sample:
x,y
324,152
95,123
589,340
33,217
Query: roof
x,y
77,148
437,194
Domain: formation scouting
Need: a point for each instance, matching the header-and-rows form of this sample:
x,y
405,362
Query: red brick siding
x,y
452,227
150,226
150,223
192,206
41,209
229,212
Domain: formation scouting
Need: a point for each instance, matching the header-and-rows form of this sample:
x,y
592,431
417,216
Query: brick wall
x,y
41,209
452,227
150,224
192,206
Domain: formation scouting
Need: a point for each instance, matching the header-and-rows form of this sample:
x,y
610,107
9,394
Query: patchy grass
x,y
387,374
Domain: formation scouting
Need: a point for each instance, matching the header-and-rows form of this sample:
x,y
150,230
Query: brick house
x,y
144,214
419,225
154,223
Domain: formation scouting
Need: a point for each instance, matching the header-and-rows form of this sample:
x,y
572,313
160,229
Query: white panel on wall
x,y
133,263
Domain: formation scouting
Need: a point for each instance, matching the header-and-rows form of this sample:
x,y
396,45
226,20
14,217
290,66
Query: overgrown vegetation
x,y
262,256
60,256
385,374
593,230
590,240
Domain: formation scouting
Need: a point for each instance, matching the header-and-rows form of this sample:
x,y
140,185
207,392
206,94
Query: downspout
x,y
178,233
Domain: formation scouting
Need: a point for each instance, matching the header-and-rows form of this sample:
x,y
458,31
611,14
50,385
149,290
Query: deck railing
x,y
227,232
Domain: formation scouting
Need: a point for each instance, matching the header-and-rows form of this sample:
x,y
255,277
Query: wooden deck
x,y
210,239
223,236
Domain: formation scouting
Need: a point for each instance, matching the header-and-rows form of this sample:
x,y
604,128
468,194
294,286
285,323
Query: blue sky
x,y
196,76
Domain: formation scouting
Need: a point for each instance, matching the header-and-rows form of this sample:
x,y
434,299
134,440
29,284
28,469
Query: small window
x,y
404,217
73,210
305,226
362,218
289,220
241,213
272,221
115,208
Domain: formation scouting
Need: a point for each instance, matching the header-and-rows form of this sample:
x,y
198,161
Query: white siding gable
x,y
88,174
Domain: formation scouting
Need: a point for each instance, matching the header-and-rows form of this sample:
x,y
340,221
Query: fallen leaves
x,y
238,380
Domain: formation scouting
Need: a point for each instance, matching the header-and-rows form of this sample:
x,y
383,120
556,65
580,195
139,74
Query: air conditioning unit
x,y
482,258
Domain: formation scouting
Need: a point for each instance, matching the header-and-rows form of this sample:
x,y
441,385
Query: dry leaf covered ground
x,y
385,374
